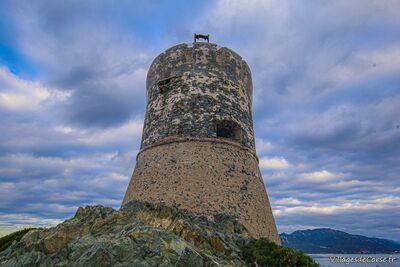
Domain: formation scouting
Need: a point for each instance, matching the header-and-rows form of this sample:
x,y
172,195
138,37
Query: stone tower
x,y
197,149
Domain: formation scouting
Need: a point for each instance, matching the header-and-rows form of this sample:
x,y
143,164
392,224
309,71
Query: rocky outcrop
x,y
139,234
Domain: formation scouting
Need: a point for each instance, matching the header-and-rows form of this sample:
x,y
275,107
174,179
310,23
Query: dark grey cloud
x,y
82,52
96,105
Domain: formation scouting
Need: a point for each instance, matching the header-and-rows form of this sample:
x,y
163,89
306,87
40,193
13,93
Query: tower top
x,y
200,57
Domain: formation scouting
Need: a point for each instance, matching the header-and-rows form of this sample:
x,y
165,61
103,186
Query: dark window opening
x,y
164,84
229,129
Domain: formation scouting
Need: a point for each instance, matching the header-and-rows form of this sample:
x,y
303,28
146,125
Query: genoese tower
x,y
197,150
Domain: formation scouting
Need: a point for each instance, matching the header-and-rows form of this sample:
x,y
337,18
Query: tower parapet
x,y
197,149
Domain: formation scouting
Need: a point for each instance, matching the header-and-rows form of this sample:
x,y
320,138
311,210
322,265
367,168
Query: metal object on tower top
x,y
198,36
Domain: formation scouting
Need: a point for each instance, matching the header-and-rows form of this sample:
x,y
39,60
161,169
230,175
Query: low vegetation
x,y
262,252
7,240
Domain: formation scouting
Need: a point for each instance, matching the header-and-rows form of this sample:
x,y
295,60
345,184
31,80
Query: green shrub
x,y
262,252
7,240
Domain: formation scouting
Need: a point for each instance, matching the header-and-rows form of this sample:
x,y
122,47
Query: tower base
x,y
206,177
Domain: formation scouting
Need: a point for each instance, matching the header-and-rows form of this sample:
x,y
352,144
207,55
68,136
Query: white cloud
x,y
22,220
320,176
263,146
275,175
20,95
365,65
130,130
348,207
27,165
273,163
353,185
287,201
64,129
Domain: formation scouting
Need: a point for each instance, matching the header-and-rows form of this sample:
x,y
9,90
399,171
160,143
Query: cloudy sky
x,y
326,103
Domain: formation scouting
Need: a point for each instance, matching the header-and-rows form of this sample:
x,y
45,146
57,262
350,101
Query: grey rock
x,y
139,234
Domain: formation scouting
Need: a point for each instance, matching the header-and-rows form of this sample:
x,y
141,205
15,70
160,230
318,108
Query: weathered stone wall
x,y
190,88
206,177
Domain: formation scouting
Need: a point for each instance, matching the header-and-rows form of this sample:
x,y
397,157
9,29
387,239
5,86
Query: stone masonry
x,y
197,149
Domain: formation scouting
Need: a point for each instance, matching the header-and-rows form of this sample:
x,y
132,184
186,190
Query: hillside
x,y
325,240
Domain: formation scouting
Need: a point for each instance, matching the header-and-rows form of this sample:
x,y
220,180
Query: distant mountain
x,y
325,240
